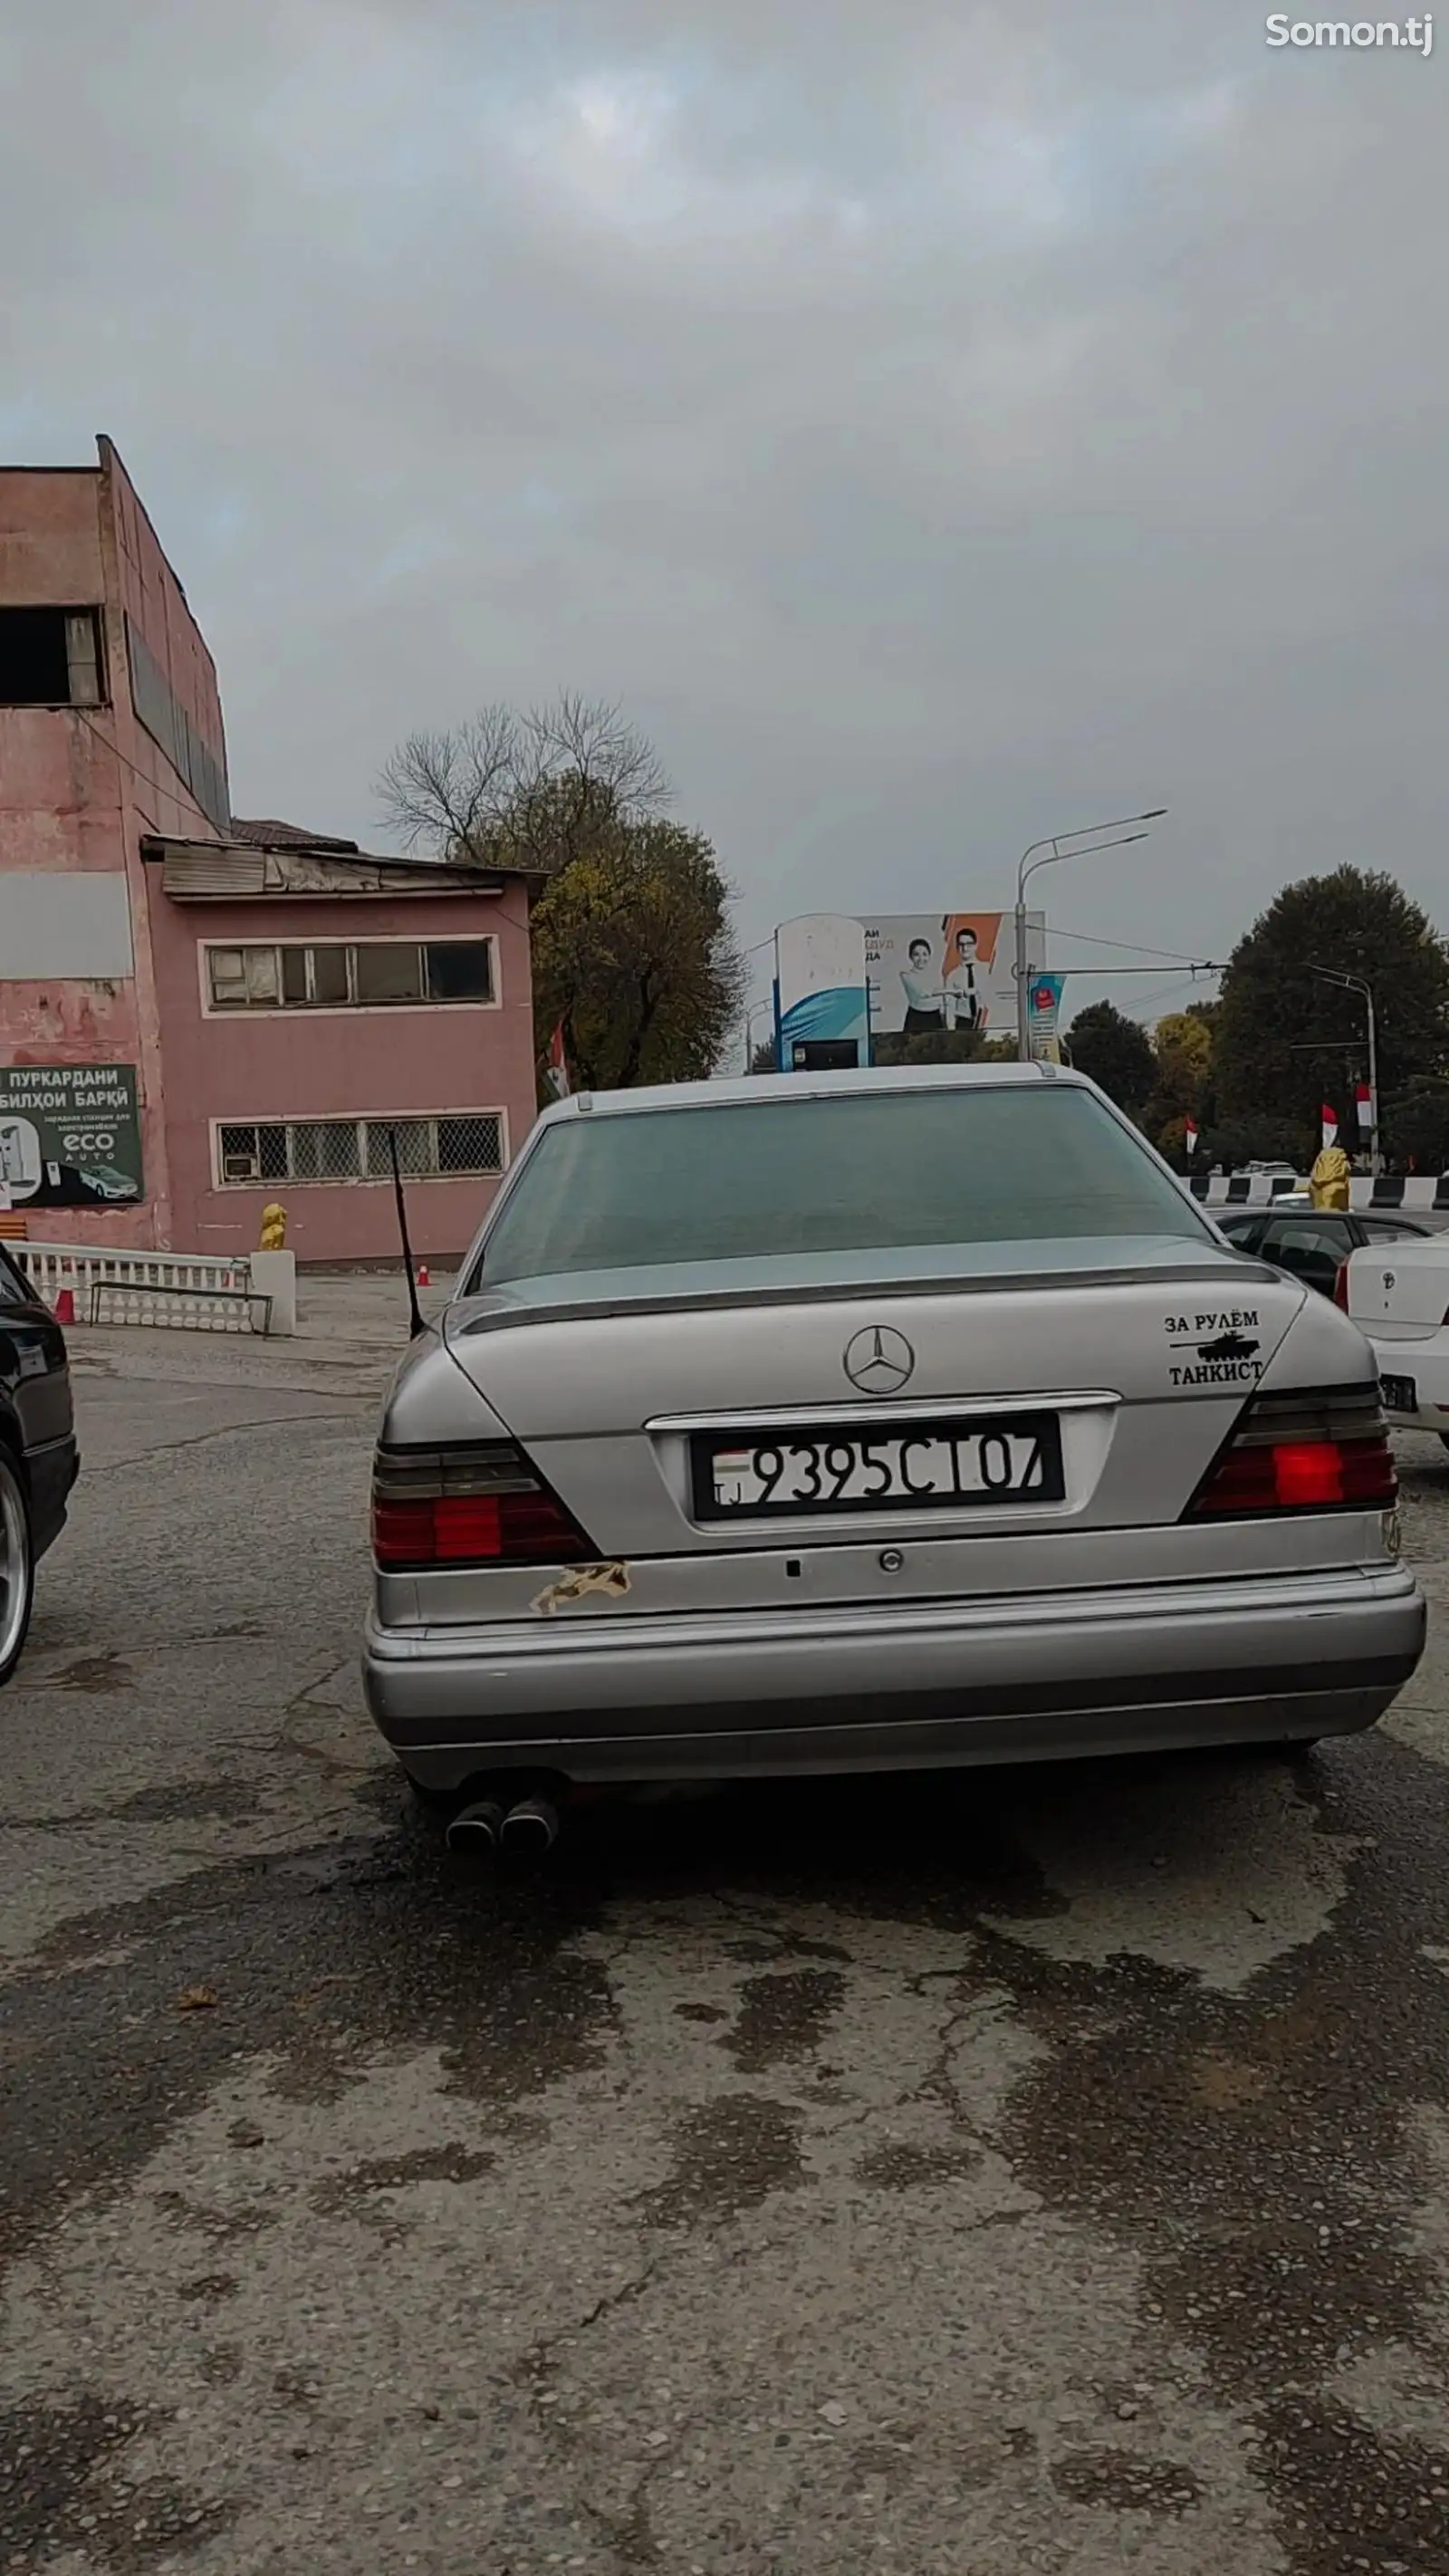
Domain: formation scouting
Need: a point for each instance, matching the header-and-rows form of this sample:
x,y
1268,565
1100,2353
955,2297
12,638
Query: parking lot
x,y
1011,2172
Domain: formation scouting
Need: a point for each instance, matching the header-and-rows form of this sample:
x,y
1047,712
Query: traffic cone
x,y
65,1306
423,1280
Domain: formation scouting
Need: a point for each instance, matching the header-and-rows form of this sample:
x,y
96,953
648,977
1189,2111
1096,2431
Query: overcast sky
x,y
938,425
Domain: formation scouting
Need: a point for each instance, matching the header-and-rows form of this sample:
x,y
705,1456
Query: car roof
x,y
1281,1207
769,1088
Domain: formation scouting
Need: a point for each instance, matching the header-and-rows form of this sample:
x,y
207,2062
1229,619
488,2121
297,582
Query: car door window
x,y
1383,1230
1312,1248
1245,1233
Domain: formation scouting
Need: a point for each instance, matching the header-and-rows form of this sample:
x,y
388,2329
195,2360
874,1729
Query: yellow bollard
x,y
274,1229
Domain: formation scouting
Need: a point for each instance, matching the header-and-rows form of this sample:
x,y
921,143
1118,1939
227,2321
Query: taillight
x,y
1319,1451
1340,1286
480,1505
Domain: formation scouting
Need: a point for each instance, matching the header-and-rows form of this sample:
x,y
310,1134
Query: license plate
x,y
901,1467
1400,1394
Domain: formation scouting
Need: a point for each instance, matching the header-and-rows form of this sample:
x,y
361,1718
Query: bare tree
x,y
541,789
444,791
588,739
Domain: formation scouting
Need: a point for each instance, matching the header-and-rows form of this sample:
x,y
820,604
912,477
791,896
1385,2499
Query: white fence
x,y
253,1293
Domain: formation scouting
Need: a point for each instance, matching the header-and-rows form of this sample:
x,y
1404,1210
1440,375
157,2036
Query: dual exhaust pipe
x,y
525,1831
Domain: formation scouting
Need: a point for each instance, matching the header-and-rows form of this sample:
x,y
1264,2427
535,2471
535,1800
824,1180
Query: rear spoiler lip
x,y
459,1325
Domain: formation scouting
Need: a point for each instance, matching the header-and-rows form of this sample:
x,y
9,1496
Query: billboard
x,y
930,972
70,1135
820,990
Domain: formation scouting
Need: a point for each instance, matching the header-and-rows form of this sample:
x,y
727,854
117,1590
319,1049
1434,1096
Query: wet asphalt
x,y
1021,2171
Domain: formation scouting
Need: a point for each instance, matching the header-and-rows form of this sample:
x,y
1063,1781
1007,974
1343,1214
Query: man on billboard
x,y
921,984
963,991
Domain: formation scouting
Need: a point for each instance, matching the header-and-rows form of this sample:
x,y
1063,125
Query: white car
x,y
1398,1294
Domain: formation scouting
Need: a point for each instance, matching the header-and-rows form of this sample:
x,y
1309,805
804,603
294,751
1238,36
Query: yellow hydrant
x,y
274,1229
1328,1182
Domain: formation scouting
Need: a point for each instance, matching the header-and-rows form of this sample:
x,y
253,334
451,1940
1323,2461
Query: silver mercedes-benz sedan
x,y
865,1421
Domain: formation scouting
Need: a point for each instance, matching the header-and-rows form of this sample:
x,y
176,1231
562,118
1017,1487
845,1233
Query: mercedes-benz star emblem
x,y
878,1360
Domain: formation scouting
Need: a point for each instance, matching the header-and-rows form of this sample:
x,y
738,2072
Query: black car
x,y
39,1462
1312,1243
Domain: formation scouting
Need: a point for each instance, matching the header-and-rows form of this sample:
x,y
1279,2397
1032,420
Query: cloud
x,y
935,422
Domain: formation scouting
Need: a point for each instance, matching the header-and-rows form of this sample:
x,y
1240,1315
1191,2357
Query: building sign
x,y
932,972
70,1135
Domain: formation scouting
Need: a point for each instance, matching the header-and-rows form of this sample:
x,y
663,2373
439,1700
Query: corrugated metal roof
x,y
194,868
268,834
195,871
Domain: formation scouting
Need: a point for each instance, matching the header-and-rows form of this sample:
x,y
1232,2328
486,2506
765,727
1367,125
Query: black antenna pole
x,y
419,1320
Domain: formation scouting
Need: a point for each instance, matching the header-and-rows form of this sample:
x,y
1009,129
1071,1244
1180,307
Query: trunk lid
x,y
1400,1291
1146,1348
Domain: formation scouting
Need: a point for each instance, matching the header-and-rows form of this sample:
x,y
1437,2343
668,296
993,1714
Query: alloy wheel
x,y
17,1572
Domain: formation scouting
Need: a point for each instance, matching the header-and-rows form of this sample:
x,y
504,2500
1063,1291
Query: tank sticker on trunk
x,y
582,1579
1217,1349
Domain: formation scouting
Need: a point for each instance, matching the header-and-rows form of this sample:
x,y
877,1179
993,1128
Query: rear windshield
x,y
846,1172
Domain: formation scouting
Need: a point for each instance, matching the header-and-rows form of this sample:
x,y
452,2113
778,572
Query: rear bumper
x,y
1426,1364
629,1696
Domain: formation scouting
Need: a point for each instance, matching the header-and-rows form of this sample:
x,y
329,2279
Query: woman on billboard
x,y
921,984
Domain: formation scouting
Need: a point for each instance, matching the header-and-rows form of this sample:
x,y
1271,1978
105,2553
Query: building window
x,y
463,1145
365,975
244,978
50,657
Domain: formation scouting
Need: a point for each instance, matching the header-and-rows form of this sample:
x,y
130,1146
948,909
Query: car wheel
x,y
17,1565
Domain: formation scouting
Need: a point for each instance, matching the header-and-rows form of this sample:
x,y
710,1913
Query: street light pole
x,y
1045,854
1359,984
751,1015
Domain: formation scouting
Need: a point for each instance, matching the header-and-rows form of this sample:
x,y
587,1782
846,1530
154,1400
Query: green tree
x,y
1418,1121
1183,1045
1182,1050
632,946
1116,1052
1287,1039
942,1046
634,953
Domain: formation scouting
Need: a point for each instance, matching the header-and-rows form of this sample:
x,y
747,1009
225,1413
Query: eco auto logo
x,y
879,1360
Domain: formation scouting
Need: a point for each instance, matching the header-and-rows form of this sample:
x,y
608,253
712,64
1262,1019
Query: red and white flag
x,y
556,1070
1189,1138
1364,1100
1330,1126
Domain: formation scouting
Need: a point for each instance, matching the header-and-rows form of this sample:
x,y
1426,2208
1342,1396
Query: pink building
x,y
200,1015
